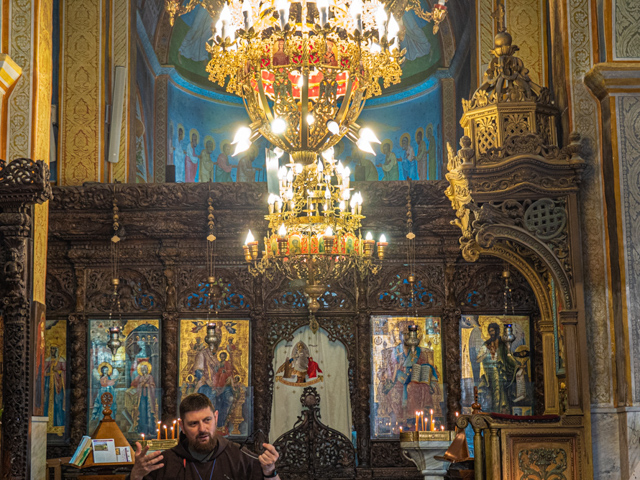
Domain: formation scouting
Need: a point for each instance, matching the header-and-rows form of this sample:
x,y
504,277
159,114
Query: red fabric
x,y
313,369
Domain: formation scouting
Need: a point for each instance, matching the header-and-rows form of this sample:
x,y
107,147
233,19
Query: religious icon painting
x,y
496,359
406,379
310,359
56,391
131,375
220,370
38,362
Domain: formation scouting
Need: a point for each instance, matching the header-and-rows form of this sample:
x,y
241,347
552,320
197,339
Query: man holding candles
x,y
200,453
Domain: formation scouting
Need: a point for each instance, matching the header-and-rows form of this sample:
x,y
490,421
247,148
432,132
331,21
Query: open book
x,y
422,373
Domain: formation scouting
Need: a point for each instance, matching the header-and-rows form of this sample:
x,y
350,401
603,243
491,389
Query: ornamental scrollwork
x,y
543,464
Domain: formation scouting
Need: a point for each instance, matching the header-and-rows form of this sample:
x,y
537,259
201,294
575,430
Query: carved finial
x,y
107,401
500,15
475,406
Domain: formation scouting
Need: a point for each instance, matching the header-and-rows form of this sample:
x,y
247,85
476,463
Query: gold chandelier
x,y
314,229
304,70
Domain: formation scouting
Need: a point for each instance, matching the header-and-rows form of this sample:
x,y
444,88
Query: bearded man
x,y
200,453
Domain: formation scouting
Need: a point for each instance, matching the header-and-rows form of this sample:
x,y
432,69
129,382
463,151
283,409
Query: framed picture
x,y
56,391
405,381
222,373
500,369
132,375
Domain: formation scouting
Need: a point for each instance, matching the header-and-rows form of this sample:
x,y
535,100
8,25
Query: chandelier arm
x,y
345,102
264,103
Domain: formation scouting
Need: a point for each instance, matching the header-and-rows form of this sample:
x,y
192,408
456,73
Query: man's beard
x,y
205,447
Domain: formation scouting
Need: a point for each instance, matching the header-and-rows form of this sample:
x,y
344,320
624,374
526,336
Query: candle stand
x,y
422,447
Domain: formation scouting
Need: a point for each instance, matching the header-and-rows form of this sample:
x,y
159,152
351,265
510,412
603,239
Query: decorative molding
x,y
161,108
585,120
82,96
121,34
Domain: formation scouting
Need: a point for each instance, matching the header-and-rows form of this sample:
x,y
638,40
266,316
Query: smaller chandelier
x,y
314,229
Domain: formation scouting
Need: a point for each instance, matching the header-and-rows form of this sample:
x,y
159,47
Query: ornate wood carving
x,y
23,182
169,367
79,384
311,450
165,278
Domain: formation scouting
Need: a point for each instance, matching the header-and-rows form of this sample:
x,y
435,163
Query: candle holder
x,y
114,342
212,339
368,246
381,249
247,253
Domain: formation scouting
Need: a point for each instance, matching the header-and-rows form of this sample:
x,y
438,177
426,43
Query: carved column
x,y
451,329
574,385
79,384
169,364
362,410
23,183
260,377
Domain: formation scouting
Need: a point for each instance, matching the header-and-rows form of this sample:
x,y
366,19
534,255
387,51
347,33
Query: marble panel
x,y
605,436
39,447
628,118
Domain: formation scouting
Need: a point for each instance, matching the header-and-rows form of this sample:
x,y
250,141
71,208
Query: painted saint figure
x,y
409,164
143,392
390,165
207,164
179,154
192,159
106,376
499,369
223,167
54,384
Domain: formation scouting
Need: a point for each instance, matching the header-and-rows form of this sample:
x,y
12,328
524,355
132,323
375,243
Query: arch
x,y
487,235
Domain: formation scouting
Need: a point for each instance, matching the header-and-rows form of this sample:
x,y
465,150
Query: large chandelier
x,y
304,70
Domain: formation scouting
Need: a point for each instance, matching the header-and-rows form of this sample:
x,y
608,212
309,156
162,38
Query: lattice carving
x,y
487,134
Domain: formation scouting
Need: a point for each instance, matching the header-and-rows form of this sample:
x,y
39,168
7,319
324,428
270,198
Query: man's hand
x,y
267,459
145,463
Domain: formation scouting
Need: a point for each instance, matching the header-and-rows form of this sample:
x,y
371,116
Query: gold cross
x,y
499,15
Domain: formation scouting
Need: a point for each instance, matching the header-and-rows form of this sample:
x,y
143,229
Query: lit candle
x,y
417,424
142,437
165,432
457,414
173,433
433,427
178,433
442,427
173,429
158,430
400,429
